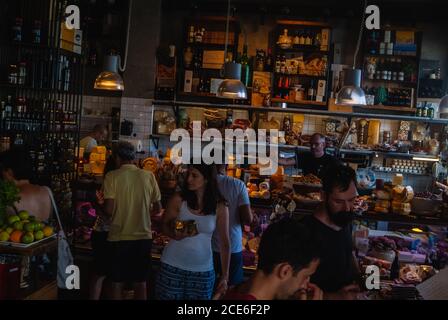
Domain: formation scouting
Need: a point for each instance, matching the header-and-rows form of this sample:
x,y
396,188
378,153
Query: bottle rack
x,y
44,98
213,39
388,70
285,78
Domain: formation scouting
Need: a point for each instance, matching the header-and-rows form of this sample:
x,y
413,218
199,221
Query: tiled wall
x,y
97,110
139,112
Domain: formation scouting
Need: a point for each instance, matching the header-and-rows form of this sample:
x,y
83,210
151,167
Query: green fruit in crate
x,y
38,235
4,236
13,219
9,230
39,226
27,238
18,225
29,227
24,215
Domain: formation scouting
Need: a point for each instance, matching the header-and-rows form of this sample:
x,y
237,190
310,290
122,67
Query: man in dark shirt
x,y
316,161
288,256
337,273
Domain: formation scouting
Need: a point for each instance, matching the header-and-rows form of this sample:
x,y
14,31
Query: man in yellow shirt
x,y
130,195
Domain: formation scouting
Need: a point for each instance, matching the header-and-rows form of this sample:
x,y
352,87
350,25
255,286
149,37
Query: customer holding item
x,y
186,271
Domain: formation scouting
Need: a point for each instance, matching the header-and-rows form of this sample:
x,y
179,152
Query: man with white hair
x,y
316,161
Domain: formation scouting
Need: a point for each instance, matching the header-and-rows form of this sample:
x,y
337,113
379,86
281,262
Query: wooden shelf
x,y
278,74
304,102
303,23
389,108
197,94
315,112
305,48
404,83
211,18
390,55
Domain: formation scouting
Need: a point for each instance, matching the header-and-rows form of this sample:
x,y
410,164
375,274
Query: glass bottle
x,y
17,30
37,32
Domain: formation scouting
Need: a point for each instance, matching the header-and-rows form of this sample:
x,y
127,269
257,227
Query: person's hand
x,y
312,292
221,289
100,197
181,234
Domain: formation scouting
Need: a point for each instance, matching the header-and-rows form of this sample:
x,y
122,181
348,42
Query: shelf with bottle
x,y
390,42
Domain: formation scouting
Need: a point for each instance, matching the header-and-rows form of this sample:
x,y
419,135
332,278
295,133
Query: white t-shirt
x,y
88,143
235,193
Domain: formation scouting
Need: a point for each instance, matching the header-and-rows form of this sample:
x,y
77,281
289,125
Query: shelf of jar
x,y
404,83
302,102
342,114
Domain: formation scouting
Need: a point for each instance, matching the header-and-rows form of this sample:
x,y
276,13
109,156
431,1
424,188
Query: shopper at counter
x,y
331,223
235,193
186,271
99,133
15,166
287,257
130,194
316,161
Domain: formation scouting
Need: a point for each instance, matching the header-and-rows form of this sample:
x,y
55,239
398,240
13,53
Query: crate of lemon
x,y
23,230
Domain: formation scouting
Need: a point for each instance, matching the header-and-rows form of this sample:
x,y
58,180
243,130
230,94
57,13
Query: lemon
x,y
48,231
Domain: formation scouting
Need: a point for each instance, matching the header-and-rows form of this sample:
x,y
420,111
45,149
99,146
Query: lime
x,y
13,219
29,227
27,238
38,235
24,215
18,226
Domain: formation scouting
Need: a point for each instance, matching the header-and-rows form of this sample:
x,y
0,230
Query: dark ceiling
x,y
410,10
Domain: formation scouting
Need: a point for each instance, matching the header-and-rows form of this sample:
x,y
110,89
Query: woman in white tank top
x,y
187,271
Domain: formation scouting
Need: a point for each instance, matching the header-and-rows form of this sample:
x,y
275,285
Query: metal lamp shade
x,y
443,107
110,79
232,87
352,93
